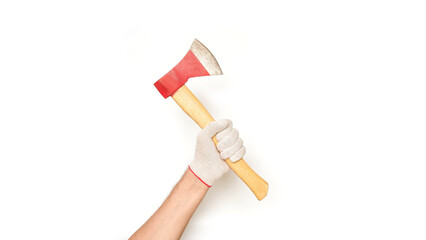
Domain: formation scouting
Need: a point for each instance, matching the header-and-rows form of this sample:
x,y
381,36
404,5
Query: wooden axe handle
x,y
193,107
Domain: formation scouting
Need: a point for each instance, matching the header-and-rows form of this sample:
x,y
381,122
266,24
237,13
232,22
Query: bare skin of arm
x,y
170,220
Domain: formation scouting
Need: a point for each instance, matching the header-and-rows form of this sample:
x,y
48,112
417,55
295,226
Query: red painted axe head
x,y
199,61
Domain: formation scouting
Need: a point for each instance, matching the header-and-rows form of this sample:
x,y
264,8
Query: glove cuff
x,y
207,179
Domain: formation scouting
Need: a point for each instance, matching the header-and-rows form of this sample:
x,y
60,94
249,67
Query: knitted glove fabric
x,y
208,164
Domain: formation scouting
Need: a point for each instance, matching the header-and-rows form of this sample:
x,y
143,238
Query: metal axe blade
x,y
198,62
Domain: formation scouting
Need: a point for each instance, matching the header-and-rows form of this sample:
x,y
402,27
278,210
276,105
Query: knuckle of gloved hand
x,y
235,132
227,141
221,135
223,155
230,137
220,146
227,122
236,136
238,144
239,154
231,149
223,144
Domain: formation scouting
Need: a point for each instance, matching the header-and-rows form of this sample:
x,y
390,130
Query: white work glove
x,y
208,164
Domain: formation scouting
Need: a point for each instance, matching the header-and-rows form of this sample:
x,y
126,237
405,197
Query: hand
x,y
208,164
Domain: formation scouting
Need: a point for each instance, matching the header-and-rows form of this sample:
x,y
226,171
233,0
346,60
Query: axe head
x,y
199,61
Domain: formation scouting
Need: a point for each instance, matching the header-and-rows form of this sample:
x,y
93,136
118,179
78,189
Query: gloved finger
x,y
214,127
238,155
225,132
228,140
227,153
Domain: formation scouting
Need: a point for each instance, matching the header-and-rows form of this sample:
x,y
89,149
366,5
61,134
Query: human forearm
x,y
170,220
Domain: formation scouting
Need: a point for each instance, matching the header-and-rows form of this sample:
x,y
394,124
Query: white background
x,y
329,97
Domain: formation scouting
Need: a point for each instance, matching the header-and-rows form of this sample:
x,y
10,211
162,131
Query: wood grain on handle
x,y
193,107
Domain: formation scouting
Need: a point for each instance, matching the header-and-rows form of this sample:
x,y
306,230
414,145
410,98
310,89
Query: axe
x,y
200,62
